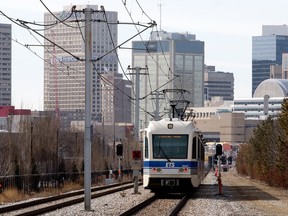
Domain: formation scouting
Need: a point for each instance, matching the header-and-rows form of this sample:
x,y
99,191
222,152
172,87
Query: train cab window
x,y
146,147
170,146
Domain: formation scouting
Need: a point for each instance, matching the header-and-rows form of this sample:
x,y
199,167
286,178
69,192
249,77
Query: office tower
x,y
64,74
5,64
276,71
284,66
116,96
218,84
267,50
174,61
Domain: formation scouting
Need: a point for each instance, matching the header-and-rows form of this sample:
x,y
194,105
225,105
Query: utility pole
x,y
157,109
135,161
87,137
137,96
31,159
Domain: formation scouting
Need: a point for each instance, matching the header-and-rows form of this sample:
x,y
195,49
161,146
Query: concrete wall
x,y
230,127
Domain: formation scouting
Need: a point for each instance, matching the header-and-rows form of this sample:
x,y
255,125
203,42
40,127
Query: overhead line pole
x,y
137,99
87,137
136,165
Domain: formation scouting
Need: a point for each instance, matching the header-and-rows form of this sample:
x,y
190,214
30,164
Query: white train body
x,y
173,155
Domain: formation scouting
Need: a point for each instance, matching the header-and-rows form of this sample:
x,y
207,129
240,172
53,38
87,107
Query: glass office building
x,y
174,61
267,50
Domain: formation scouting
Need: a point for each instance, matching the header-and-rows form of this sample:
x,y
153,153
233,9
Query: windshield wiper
x,y
167,158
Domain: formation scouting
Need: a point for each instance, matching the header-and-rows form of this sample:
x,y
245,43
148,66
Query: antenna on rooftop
x,y
160,5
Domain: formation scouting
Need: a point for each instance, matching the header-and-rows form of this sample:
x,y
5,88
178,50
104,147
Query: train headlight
x,y
170,126
155,170
183,170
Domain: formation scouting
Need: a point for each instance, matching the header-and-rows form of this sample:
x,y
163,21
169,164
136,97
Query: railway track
x,y
180,205
48,204
171,212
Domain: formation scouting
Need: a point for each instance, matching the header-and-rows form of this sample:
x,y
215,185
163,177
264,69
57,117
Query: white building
x,y
64,72
266,101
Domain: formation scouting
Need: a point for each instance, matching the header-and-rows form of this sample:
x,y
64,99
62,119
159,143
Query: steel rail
x,y
32,203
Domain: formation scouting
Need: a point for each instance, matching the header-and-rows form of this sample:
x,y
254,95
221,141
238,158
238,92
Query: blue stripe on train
x,y
190,164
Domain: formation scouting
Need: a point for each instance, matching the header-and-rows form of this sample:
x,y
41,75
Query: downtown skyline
x,y
227,37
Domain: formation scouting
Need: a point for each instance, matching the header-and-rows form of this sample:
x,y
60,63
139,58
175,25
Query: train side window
x,y
146,147
199,148
194,149
202,152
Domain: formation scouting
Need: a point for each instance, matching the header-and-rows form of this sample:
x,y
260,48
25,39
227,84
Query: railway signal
x,y
119,150
119,153
218,154
218,149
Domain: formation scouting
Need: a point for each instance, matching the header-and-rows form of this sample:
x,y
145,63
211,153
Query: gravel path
x,y
240,196
111,205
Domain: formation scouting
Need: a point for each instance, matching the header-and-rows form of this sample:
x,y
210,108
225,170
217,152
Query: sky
x,y
226,27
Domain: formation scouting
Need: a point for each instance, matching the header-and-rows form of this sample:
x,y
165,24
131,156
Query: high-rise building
x,y
64,72
276,71
284,68
174,61
218,84
5,64
116,98
267,50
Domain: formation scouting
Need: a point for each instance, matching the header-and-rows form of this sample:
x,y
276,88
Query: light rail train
x,y
173,155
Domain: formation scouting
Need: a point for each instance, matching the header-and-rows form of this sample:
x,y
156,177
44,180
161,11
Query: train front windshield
x,y
170,146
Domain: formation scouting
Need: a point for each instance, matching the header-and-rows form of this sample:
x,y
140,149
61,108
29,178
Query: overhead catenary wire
x,y
61,21
151,25
147,50
52,42
79,27
47,26
112,41
160,45
40,57
25,24
112,84
115,48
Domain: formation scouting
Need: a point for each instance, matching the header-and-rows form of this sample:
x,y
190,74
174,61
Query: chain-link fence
x,y
41,182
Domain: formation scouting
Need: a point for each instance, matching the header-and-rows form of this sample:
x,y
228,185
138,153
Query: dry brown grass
x,y
12,195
